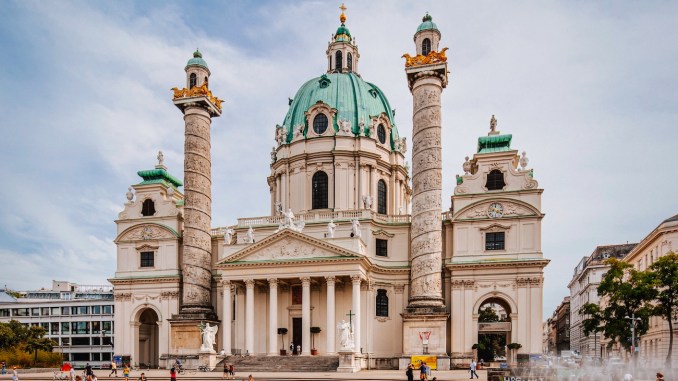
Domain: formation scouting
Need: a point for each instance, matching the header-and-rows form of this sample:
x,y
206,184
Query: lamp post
x,y
633,319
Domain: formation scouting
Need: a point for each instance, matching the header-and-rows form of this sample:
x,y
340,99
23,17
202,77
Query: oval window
x,y
381,133
320,124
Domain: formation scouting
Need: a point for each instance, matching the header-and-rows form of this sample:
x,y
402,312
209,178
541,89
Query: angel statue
x,y
345,336
209,333
355,229
331,227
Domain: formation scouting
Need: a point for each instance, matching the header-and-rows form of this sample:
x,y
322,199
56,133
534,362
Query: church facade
x,y
355,237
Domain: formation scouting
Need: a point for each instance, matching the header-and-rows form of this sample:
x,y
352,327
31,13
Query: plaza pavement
x,y
241,375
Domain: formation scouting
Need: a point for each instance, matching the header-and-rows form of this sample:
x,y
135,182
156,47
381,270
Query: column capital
x,y
305,281
331,280
249,283
273,282
356,278
226,283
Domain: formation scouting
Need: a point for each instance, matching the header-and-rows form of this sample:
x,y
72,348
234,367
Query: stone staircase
x,y
244,364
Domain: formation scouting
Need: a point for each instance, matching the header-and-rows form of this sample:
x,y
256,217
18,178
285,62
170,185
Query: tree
x,y
663,277
314,331
625,292
282,332
487,315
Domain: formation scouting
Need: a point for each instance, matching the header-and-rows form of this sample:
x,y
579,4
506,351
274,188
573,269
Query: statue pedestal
x,y
347,362
418,321
208,359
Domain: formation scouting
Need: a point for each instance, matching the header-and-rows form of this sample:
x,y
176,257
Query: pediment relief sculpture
x,y
146,232
496,209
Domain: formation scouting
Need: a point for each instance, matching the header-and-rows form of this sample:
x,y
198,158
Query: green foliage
x,y
625,292
490,345
16,338
282,332
663,276
514,346
19,357
487,315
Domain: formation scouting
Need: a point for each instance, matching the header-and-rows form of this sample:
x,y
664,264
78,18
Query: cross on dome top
x,y
342,17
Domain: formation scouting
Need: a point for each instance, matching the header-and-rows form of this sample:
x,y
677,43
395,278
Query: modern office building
x,y
79,318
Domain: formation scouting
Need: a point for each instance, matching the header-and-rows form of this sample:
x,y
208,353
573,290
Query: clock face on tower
x,y
496,210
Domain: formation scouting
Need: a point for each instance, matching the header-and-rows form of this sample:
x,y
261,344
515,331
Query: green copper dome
x,y
354,99
197,60
427,23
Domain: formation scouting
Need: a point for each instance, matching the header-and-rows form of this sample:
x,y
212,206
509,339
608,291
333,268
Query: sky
x,y
586,88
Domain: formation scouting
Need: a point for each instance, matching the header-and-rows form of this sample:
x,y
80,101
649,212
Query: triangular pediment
x,y
288,245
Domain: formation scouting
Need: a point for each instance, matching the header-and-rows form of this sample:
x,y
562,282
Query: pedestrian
x,y
409,373
114,369
231,370
93,377
72,373
142,377
226,373
4,368
422,371
15,375
173,374
88,372
125,372
628,376
250,378
474,365
660,377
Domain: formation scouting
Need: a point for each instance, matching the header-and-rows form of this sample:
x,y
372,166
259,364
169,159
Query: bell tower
x,y
426,315
199,106
342,50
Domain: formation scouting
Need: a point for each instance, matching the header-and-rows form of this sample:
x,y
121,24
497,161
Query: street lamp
x,y
633,319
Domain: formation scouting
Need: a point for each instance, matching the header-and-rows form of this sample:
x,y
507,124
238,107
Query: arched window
x,y
495,180
425,47
206,82
381,197
381,133
382,303
193,81
337,61
349,62
319,190
148,208
320,123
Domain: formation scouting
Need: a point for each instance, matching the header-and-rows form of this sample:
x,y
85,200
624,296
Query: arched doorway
x,y
147,338
494,330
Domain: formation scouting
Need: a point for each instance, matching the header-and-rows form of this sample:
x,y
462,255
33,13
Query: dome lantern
x,y
342,52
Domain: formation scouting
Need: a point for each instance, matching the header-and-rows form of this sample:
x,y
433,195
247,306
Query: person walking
x,y
226,373
15,375
88,372
125,372
72,373
4,368
474,366
231,370
422,371
114,369
409,373
173,374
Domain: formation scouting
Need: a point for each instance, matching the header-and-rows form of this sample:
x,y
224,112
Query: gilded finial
x,y
342,18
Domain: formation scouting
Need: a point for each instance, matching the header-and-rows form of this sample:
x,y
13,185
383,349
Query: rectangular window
x,y
80,341
108,310
56,311
382,248
44,311
45,326
74,310
80,327
4,312
19,311
54,327
106,326
494,241
105,357
35,311
106,340
96,327
96,340
80,356
296,295
146,259
96,310
65,328
83,310
65,341
65,311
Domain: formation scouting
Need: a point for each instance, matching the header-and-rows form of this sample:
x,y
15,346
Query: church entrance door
x,y
296,334
148,338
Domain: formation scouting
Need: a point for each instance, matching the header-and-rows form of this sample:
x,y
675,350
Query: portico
x,y
321,288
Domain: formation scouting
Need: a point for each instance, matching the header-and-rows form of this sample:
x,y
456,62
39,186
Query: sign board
x,y
430,361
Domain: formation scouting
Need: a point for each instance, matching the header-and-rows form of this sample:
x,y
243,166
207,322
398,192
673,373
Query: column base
x,y
417,321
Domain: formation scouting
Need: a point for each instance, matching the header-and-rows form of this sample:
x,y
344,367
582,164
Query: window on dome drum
x,y
382,303
381,197
146,259
337,61
192,81
148,208
381,249
349,62
206,82
319,190
320,123
495,180
381,133
494,241
425,47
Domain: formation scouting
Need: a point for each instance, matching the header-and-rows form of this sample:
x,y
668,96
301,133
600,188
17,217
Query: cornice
x,y
498,264
142,279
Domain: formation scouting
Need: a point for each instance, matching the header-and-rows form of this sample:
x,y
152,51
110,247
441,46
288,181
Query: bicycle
x,y
203,368
60,376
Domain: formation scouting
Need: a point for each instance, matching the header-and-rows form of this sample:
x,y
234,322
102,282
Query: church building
x,y
359,258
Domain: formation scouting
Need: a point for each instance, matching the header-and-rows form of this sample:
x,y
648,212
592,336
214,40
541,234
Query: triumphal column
x,y
425,318
199,106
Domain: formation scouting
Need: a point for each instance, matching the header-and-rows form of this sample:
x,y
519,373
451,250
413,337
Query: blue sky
x,y
586,88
